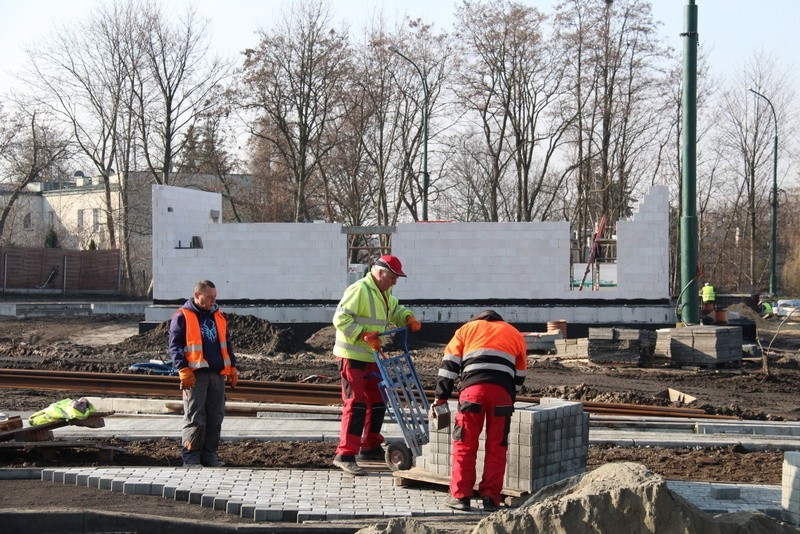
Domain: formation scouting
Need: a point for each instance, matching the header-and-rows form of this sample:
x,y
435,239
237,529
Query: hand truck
x,y
408,406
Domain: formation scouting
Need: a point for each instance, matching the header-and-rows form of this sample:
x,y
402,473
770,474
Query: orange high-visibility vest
x,y
193,351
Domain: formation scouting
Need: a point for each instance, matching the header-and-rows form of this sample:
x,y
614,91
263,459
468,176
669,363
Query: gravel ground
x,y
266,352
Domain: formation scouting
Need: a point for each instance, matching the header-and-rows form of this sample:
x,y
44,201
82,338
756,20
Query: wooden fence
x,y
54,270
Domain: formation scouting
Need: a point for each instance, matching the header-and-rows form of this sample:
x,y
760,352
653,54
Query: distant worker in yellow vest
x,y
709,297
765,309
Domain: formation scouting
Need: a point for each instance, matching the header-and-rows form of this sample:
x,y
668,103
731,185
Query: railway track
x,y
258,391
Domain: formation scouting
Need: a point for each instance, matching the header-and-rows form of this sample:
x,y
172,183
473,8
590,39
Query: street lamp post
x,y
773,258
425,178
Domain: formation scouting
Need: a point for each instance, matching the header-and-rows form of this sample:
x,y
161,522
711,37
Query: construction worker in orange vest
x,y
200,350
490,357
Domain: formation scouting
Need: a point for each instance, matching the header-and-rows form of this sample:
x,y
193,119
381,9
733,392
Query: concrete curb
x,y
21,473
68,521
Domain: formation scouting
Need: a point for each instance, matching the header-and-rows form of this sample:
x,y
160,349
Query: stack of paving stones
x,y
701,345
663,341
541,343
620,345
790,487
572,349
547,443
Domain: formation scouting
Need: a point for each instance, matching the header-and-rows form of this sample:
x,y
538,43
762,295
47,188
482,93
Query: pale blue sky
x,y
730,30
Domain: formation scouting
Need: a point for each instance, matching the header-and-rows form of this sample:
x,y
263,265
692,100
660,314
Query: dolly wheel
x,y
398,457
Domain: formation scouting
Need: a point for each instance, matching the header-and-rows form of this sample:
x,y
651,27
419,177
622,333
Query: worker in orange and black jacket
x,y
202,353
490,356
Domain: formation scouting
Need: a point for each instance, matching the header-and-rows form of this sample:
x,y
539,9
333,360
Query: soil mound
x,y
248,334
620,496
616,497
323,339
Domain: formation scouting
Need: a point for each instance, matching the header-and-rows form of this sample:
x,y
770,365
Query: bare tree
x,y
745,142
30,150
174,85
612,56
292,84
82,75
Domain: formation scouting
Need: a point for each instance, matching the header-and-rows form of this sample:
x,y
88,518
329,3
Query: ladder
x,y
593,253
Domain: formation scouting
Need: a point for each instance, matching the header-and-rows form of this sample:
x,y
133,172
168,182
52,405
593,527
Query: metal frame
x,y
402,392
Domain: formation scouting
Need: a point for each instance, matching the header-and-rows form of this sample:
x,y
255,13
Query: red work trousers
x,y
363,411
478,403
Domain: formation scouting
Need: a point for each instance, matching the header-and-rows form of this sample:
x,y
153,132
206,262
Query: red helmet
x,y
391,263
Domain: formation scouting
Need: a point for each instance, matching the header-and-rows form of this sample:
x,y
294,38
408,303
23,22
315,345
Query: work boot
x,y
192,464
216,462
489,505
348,464
458,504
372,455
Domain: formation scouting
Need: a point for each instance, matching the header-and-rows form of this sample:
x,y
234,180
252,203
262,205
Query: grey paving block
x,y
725,492
247,510
220,503
136,488
268,514
233,507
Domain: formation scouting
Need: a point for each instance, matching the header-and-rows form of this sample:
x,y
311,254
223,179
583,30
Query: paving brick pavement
x,y
296,495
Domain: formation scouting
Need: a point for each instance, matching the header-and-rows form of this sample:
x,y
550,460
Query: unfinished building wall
x,y
502,262
465,261
252,261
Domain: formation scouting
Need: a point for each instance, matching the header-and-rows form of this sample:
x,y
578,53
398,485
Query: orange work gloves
x,y
413,324
372,340
233,378
187,378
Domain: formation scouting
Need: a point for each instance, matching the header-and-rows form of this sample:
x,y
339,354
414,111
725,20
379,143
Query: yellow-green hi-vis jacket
x,y
364,309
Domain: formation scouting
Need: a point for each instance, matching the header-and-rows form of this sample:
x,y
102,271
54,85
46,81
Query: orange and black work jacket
x,y
198,339
483,352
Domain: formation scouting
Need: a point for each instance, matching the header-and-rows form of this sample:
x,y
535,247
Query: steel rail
x,y
268,392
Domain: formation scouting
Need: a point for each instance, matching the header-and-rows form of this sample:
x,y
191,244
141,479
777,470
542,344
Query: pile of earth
x,y
617,497
249,334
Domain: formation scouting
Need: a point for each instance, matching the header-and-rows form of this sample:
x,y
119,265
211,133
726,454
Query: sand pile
x,y
618,497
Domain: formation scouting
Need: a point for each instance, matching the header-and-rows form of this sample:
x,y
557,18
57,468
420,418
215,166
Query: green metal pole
x,y
690,306
773,272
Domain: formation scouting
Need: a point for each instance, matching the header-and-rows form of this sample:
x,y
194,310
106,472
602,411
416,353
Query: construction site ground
x,y
266,352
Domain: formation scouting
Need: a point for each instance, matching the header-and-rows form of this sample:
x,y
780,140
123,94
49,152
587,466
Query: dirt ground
x,y
266,352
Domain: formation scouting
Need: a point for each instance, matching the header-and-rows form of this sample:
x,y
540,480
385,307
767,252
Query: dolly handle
x,y
394,331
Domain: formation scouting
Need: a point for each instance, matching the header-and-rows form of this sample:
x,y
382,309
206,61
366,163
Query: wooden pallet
x,y
44,432
420,476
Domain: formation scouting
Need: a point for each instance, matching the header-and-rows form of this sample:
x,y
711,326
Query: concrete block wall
x,y
444,261
245,261
790,487
643,248
548,442
483,260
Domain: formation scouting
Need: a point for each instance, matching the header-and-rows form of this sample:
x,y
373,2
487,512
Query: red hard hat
x,y
391,263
